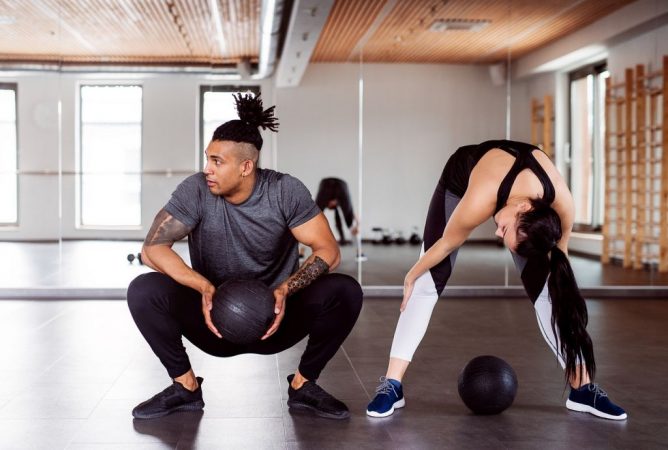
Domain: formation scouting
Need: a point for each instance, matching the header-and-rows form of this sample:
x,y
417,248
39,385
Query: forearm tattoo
x,y
312,269
165,230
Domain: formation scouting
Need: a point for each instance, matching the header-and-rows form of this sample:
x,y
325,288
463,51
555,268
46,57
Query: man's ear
x,y
247,167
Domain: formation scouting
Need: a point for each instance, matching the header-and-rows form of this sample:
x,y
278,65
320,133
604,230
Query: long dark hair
x,y
538,232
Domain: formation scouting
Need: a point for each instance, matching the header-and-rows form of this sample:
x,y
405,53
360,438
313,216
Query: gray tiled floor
x,y
73,370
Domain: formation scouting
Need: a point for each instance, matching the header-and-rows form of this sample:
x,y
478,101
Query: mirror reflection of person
x,y
333,194
517,185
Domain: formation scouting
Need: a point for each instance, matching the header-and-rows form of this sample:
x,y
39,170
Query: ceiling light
x,y
220,38
440,25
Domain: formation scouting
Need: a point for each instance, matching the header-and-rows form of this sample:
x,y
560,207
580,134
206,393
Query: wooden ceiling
x,y
398,31
184,32
129,31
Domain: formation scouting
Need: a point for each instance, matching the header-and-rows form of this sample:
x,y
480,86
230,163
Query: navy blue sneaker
x,y
592,399
389,396
173,399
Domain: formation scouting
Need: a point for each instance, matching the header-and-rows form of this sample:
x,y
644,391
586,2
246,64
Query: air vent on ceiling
x,y
459,24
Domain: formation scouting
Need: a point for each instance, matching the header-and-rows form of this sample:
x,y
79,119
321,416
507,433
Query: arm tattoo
x,y
165,230
312,269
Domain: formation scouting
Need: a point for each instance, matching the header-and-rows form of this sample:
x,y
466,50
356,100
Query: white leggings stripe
x,y
543,308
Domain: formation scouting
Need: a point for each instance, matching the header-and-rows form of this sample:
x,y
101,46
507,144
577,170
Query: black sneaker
x,y
312,398
172,399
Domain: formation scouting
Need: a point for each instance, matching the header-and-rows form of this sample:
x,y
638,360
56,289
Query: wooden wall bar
x,y
628,168
663,235
542,124
635,228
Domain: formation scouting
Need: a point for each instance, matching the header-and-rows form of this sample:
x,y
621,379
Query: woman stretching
x,y
517,184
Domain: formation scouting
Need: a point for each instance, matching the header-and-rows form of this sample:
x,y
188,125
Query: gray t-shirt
x,y
251,240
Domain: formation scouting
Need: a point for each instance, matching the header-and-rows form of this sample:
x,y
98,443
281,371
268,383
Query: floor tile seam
x,y
359,379
45,370
102,397
280,401
65,310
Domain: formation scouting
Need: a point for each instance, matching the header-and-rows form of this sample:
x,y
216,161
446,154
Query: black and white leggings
x,y
414,319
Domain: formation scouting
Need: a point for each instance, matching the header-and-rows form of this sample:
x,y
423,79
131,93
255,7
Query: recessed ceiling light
x,y
440,25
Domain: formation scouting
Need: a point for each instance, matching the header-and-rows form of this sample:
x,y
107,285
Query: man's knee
x,y
142,289
349,292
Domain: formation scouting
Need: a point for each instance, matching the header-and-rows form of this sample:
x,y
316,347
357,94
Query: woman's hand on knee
x,y
409,283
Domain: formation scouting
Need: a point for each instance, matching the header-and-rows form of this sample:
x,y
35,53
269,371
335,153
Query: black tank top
x,y
455,176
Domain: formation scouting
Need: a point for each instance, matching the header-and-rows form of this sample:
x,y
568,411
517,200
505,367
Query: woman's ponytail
x,y
569,315
538,232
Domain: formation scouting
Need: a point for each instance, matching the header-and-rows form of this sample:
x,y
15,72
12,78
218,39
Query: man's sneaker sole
x,y
398,404
579,407
193,406
308,408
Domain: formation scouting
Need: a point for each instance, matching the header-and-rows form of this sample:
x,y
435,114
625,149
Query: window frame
x,y
14,87
595,69
79,225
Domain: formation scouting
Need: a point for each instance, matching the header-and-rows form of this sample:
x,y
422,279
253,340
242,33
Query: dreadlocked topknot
x,y
249,108
251,116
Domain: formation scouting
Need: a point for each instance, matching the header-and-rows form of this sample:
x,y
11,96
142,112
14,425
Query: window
x,y
8,156
217,107
109,162
587,131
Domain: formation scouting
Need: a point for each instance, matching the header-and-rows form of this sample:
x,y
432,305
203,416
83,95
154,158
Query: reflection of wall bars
x,y
635,228
542,124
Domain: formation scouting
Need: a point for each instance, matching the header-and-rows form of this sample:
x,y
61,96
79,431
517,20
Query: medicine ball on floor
x,y
487,385
243,310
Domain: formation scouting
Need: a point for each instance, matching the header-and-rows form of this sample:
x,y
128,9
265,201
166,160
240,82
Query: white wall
x,y
38,135
319,126
415,116
648,48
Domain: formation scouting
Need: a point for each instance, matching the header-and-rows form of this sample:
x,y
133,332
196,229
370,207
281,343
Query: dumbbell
x,y
132,257
415,239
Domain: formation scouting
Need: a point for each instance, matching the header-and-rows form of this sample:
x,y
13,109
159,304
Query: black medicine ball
x,y
487,385
243,310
